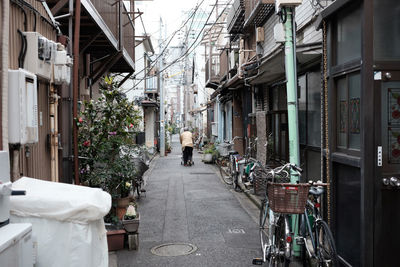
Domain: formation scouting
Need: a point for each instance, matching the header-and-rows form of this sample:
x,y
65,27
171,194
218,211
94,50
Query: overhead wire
x,y
155,61
192,46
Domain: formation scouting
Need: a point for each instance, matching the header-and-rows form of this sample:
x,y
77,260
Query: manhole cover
x,y
173,249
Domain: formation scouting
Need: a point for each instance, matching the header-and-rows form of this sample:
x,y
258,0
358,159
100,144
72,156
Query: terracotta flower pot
x,y
123,202
121,212
115,239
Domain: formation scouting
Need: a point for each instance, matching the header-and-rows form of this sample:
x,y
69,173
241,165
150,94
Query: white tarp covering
x,y
67,222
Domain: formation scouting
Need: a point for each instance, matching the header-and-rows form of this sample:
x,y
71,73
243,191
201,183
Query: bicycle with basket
x,y
283,199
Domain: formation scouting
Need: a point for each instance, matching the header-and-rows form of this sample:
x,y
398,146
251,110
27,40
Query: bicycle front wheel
x,y
326,249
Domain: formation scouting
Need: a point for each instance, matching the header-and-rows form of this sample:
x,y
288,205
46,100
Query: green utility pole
x,y
292,106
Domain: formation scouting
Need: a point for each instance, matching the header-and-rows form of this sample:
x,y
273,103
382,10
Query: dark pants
x,y
187,154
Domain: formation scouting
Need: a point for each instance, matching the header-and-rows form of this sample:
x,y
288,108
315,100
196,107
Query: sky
x,y
171,12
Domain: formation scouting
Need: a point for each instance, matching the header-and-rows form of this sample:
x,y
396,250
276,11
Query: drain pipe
x,y
76,86
53,134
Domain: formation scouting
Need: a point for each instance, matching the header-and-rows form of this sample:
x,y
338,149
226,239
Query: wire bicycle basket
x,y
287,198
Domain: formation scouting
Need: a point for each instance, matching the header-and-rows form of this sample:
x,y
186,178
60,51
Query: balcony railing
x,y
129,36
235,19
257,12
212,71
113,16
150,85
224,63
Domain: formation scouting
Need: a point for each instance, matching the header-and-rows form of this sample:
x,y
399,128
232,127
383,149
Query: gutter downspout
x,y
220,139
76,86
53,133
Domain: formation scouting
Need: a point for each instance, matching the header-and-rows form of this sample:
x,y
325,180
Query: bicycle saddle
x,y
233,152
316,191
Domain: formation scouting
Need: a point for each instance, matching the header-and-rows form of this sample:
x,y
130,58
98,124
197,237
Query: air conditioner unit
x,y
22,107
233,59
279,33
39,52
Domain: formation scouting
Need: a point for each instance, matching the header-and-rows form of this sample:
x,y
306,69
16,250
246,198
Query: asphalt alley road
x,y
192,205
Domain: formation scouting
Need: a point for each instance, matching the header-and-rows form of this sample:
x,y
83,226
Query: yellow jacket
x,y
186,139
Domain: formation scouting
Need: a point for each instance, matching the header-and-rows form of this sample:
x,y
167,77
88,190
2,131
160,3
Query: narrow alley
x,y
192,205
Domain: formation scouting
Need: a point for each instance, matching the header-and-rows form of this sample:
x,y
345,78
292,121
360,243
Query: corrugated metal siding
x,y
17,22
3,68
305,13
37,165
109,13
269,41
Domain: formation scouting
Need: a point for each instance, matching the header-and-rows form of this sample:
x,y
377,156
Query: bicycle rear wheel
x,y
265,229
326,249
279,258
226,173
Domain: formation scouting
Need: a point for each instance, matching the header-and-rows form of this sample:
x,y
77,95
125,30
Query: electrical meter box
x,y
22,107
40,53
62,66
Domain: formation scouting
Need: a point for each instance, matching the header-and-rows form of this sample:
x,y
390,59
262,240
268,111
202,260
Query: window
x,y
386,30
277,126
310,109
302,100
348,36
348,104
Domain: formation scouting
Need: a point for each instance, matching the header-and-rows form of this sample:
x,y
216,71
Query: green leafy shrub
x,y
105,126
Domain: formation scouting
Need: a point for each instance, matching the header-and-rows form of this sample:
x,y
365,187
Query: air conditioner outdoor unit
x,y
233,59
39,55
22,107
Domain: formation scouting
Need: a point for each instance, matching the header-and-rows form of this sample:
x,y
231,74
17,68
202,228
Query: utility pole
x,y
292,105
162,126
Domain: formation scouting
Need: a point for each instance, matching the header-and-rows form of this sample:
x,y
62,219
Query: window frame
x,y
335,111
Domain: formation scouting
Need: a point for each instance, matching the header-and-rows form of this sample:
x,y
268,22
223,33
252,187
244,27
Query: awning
x,y
149,103
272,68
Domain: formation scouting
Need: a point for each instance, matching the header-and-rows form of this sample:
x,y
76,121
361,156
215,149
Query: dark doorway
x,y
387,202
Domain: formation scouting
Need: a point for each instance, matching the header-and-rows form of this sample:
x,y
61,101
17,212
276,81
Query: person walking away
x,y
186,139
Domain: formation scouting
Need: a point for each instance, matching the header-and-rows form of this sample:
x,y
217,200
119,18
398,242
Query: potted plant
x,y
106,127
131,219
209,153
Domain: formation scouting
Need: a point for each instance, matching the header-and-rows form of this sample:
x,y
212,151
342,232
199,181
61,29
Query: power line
x,y
192,46
155,61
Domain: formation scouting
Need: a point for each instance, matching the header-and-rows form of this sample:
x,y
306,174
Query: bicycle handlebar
x,y
233,140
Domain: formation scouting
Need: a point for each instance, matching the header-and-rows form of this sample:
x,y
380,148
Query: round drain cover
x,y
173,249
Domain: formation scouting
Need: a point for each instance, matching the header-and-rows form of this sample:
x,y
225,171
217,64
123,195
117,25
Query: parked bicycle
x,y
315,235
228,163
282,199
140,159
